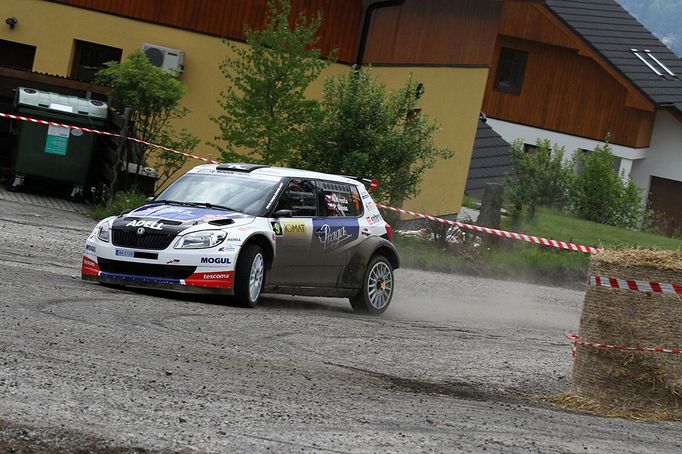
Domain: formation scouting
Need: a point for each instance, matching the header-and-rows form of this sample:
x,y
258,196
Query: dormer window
x,y
510,70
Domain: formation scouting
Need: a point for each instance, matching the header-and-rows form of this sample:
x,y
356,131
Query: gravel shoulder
x,y
456,364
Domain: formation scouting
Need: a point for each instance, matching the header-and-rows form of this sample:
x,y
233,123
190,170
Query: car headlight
x,y
201,240
104,232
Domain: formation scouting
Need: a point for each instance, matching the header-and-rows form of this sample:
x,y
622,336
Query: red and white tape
x,y
575,340
54,123
106,133
635,285
502,233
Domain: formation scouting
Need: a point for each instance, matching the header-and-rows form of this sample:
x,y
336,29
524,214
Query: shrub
x,y
539,178
599,194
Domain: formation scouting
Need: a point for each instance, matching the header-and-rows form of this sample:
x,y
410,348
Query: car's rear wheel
x,y
377,287
249,276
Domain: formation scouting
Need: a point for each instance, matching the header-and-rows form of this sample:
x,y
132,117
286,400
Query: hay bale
x,y
618,382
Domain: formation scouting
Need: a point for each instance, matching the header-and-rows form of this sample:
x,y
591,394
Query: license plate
x,y
124,253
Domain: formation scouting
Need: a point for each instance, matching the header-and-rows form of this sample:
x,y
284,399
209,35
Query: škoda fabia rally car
x,y
246,229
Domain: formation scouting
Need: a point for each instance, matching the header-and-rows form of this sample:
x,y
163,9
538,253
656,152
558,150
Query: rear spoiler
x,y
371,183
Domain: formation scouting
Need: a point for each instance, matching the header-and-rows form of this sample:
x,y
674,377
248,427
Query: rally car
x,y
246,229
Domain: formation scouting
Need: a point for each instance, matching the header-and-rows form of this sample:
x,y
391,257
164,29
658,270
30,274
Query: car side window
x,y
340,199
300,196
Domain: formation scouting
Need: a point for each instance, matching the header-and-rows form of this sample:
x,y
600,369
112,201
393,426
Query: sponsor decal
x,y
124,253
333,238
173,261
90,248
336,203
217,276
294,228
371,206
371,220
89,267
336,233
154,225
274,196
277,228
216,260
228,248
177,213
219,279
364,194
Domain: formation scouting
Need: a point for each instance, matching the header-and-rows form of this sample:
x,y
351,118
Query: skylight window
x,y
654,60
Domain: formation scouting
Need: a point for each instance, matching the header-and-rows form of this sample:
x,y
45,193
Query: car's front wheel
x,y
377,287
249,276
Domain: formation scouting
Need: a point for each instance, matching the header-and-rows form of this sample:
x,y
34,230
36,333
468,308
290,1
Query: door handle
x,y
365,231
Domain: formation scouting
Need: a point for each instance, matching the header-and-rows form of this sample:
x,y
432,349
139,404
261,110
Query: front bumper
x,y
213,282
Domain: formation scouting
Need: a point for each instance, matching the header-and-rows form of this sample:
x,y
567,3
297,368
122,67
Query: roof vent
x,y
654,60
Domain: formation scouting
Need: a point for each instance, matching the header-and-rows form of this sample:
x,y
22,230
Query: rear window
x,y
341,199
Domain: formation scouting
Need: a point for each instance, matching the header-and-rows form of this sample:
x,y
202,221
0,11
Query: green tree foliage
x,y
601,195
540,178
367,131
154,98
265,109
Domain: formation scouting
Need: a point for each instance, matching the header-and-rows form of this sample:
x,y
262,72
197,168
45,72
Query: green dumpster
x,y
55,153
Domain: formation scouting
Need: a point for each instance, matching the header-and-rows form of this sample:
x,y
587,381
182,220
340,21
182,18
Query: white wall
x,y
512,131
664,156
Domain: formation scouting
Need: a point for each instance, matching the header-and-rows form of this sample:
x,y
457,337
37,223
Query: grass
x,y
512,259
559,226
121,201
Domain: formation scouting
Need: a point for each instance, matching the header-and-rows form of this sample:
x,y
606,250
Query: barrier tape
x,y
106,133
575,341
635,285
54,123
502,233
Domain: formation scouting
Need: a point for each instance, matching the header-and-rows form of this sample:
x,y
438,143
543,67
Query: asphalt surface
x,y
456,364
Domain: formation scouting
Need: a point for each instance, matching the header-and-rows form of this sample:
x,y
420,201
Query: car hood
x,y
159,216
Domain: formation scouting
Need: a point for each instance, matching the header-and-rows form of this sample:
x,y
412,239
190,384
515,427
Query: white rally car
x,y
245,229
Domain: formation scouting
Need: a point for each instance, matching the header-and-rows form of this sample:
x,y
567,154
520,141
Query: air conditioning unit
x,y
172,61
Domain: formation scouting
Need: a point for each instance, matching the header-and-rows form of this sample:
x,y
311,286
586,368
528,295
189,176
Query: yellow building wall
x,y
452,97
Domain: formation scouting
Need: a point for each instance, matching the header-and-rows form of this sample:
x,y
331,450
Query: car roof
x,y
284,172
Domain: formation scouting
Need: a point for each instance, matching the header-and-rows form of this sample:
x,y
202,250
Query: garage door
x,y
665,199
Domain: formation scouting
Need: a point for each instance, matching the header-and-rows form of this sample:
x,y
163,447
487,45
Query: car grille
x,y
156,241
145,269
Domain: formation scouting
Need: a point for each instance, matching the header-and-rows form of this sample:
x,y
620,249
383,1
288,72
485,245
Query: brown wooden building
x,y
575,71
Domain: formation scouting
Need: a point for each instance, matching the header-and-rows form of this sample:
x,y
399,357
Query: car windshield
x,y
244,193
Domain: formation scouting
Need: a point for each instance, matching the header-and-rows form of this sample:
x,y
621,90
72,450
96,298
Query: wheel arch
x,y
389,253
264,243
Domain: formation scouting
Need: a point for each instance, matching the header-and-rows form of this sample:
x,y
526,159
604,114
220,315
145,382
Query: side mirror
x,y
150,199
283,213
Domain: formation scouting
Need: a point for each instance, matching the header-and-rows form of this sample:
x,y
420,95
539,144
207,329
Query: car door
x,y
337,231
293,264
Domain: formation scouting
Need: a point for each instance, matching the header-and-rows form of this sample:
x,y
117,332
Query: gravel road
x,y
456,364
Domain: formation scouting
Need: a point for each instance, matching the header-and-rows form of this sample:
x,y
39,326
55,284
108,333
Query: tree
x,y
601,195
264,106
539,178
367,131
154,98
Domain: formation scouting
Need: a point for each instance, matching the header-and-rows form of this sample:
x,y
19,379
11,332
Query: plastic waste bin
x,y
55,153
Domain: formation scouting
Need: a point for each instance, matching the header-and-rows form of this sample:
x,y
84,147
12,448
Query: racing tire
x,y
377,289
249,276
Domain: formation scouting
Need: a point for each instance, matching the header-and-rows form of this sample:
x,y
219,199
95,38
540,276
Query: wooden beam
x,y
50,79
